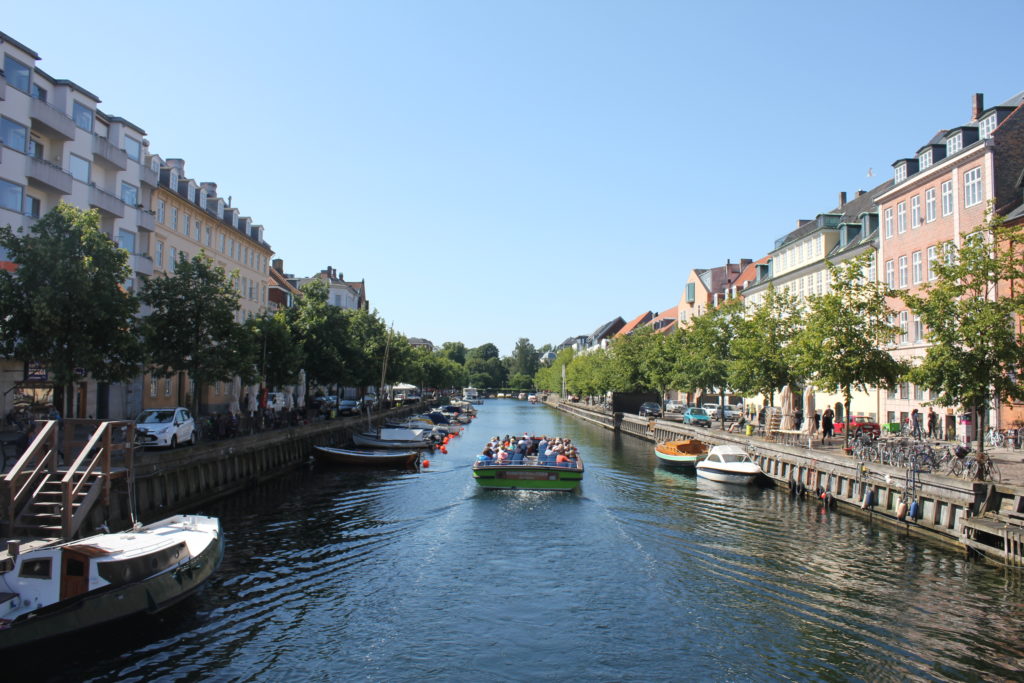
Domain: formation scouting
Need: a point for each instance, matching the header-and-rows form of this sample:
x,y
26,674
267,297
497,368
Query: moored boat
x,y
730,464
56,589
372,457
518,470
383,440
682,453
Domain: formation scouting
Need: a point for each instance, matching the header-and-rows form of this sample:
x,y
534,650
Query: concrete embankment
x,y
947,506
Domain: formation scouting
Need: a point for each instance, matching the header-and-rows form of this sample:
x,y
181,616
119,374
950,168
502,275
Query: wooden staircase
x,y
998,531
46,499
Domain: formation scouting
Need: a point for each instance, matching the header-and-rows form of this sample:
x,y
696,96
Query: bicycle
x,y
995,438
984,470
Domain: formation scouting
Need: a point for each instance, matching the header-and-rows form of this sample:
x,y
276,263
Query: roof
x,y
608,329
636,322
749,274
849,212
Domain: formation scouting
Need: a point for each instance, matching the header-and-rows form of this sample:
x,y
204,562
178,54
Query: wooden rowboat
x,y
378,458
684,453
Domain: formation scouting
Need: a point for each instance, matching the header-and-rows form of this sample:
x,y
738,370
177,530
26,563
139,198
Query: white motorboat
x,y
730,464
393,438
57,588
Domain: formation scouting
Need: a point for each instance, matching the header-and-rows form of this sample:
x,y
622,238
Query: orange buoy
x,y
425,463
444,450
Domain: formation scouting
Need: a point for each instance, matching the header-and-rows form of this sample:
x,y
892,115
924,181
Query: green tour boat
x,y
531,463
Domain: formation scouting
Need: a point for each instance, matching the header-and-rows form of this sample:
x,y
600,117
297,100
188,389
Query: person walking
x,y
932,424
915,424
826,426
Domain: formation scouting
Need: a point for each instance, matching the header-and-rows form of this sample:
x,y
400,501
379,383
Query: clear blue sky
x,y
497,170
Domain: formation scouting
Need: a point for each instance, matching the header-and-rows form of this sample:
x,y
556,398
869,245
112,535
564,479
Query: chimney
x,y
278,265
861,193
979,106
209,188
178,164
842,199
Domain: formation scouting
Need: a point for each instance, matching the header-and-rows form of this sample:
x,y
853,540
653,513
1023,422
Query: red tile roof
x,y
636,322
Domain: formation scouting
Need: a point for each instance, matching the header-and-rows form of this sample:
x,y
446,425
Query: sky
x,y
500,170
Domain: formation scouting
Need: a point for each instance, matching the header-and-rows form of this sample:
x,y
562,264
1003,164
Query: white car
x,y
165,427
673,406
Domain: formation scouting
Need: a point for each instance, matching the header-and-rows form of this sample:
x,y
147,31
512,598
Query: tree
x,y
455,351
524,359
367,338
590,374
549,378
66,306
970,313
483,352
279,355
707,353
843,345
322,331
192,327
762,352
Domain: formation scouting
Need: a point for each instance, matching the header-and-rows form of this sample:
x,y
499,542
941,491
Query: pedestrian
x,y
817,421
932,424
798,418
826,426
915,424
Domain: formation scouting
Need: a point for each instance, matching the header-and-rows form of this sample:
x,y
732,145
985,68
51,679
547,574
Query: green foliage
x,y
192,326
455,351
762,350
322,330
279,356
707,353
482,352
521,382
65,306
550,378
971,313
591,373
524,359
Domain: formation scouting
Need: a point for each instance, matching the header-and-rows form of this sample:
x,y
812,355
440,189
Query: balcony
x,y
47,176
148,176
49,120
105,152
142,264
145,220
106,202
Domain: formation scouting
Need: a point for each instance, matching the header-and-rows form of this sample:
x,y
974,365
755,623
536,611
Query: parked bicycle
x,y
995,438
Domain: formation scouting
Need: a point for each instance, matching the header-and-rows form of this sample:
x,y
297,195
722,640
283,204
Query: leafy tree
x,y
842,347
591,374
279,356
483,352
455,351
322,330
707,348
645,360
490,372
367,339
970,313
549,378
762,351
521,381
524,358
192,326
65,306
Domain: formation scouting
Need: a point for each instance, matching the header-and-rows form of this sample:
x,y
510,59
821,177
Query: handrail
x,y
94,454
20,480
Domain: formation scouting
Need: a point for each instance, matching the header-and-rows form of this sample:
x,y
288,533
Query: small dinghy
x,y
378,458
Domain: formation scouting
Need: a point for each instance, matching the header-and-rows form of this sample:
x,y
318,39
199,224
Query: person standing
x,y
932,424
915,424
826,426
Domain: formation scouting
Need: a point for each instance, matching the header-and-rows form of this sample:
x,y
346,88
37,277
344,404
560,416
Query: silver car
x,y
165,427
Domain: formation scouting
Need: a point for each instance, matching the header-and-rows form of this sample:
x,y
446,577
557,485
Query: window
x,y
932,256
209,236
903,327
871,274
947,198
167,386
13,135
129,194
80,169
929,205
36,149
925,160
954,144
915,211
889,274
202,200
901,217
915,267
903,272
159,257
172,180
32,206
172,259
972,187
18,75
918,329
152,386
133,148
231,248
888,223
11,196
38,93
187,229
987,125
35,569
160,210
901,173
174,218
223,240
82,116
126,240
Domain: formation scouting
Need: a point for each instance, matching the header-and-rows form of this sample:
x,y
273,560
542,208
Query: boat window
x,y
74,567
35,569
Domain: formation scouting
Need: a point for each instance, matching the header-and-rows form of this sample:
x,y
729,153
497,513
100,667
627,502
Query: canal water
x,y
643,575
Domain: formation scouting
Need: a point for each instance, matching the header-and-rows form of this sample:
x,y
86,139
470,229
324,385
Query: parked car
x,y
369,401
715,411
165,427
860,425
673,406
348,407
649,409
697,416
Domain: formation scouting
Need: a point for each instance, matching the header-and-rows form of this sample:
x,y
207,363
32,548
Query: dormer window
x,y
172,180
987,125
154,164
901,173
220,209
954,144
202,200
925,159
234,220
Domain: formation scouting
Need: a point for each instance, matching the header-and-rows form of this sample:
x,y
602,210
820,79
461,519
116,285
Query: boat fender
x,y
829,500
914,510
901,510
444,450
869,500
426,462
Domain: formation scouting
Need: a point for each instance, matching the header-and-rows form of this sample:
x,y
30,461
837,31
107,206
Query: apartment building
x,y
57,145
939,195
341,293
191,218
705,287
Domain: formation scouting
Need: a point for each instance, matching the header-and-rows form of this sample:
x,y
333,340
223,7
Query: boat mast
x,y
383,373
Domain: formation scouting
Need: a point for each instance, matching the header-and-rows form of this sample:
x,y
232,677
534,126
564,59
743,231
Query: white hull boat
x,y
56,589
372,440
728,464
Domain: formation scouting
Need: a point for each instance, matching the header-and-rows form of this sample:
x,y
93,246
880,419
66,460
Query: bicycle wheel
x,y
956,468
992,471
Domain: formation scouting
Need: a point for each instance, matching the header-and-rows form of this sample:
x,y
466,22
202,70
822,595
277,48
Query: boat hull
x,y
102,606
728,476
529,477
374,442
675,453
346,456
